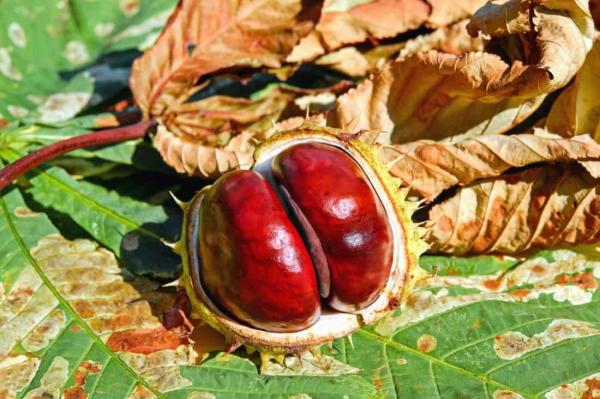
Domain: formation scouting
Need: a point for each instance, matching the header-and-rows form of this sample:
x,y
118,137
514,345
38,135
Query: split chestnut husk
x,y
313,243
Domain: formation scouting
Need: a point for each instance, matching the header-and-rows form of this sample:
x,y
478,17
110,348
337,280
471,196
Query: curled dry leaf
x,y
436,95
577,108
202,138
450,39
540,207
428,167
453,39
218,134
214,120
445,12
344,23
203,37
210,161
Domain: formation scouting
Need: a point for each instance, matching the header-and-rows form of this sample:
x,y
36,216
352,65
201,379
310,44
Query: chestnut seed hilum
x,y
259,264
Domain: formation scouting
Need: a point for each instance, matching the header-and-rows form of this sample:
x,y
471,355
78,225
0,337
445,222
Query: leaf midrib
x,y
67,306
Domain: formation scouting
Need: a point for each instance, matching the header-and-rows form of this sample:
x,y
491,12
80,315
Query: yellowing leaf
x,y
204,36
540,207
436,95
428,167
577,108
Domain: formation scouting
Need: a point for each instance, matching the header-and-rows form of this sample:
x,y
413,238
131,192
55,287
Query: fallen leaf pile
x,y
462,97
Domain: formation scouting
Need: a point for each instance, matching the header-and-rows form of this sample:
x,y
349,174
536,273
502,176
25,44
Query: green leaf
x,y
43,40
61,304
137,153
34,136
464,266
130,228
529,330
41,334
133,229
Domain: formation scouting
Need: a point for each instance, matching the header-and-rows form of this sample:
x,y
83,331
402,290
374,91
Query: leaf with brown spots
x,y
72,327
540,207
84,369
148,341
46,49
460,336
436,95
428,167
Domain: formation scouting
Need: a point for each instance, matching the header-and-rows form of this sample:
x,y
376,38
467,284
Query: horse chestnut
x,y
253,261
334,195
316,217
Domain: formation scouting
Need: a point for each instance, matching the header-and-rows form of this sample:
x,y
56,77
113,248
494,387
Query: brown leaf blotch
x,y
426,343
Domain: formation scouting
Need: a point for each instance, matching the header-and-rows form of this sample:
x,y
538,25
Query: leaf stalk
x,y
108,136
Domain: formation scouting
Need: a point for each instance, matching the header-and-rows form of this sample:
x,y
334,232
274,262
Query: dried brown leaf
x,y
577,108
214,120
540,207
446,12
205,36
203,160
450,39
219,134
436,95
347,60
428,167
345,23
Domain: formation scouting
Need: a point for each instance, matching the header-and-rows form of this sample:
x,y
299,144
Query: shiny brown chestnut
x,y
332,193
317,217
253,261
